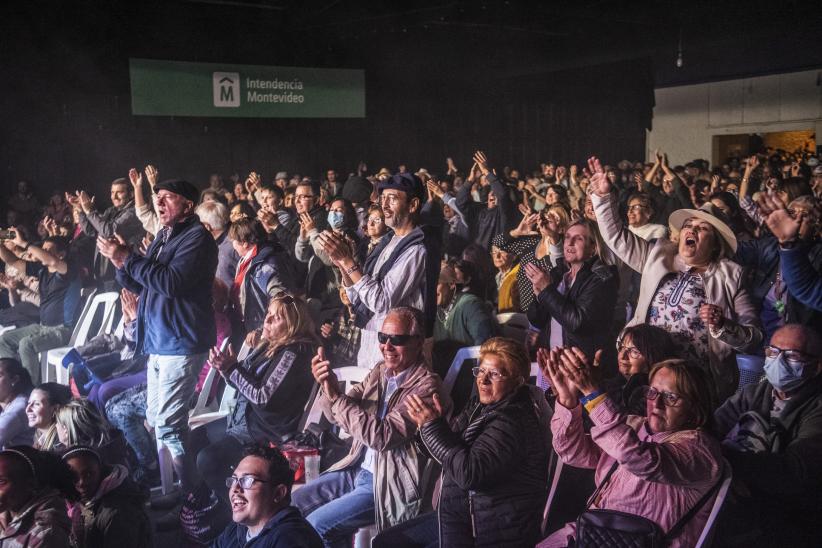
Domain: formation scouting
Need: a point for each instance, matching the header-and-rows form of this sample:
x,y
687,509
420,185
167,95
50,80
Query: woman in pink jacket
x,y
666,461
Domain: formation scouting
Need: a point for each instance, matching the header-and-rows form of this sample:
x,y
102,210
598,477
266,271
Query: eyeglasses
x,y
636,207
793,357
303,197
246,482
493,374
668,398
633,351
395,340
374,220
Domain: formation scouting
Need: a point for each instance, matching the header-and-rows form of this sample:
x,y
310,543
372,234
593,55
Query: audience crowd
x,y
656,327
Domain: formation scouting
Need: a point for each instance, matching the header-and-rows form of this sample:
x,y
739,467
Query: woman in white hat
x,y
690,289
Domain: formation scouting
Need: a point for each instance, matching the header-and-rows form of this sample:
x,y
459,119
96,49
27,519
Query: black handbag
x,y
610,528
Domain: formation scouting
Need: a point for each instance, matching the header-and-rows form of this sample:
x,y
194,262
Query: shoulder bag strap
x,y
602,485
674,531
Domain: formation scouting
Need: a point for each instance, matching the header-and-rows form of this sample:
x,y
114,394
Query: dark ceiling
x,y
719,39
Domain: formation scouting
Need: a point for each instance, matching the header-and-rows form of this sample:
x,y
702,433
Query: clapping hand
x,y
539,278
324,375
136,179
151,174
422,412
128,302
222,360
336,247
561,386
86,201
578,369
306,224
482,162
599,184
114,249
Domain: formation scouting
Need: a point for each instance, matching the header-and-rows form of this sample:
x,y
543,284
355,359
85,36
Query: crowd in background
x,y
641,287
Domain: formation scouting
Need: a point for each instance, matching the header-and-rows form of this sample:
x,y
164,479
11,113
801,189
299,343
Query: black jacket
x,y
116,519
287,529
272,392
483,223
785,482
175,315
495,473
584,311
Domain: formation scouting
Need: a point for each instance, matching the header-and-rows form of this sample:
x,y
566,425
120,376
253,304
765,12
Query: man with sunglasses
x,y
382,475
260,494
772,435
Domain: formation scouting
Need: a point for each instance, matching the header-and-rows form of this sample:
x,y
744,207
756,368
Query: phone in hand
x,y
7,234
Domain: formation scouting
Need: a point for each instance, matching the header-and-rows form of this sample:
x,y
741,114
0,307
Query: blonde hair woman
x,y
79,423
273,385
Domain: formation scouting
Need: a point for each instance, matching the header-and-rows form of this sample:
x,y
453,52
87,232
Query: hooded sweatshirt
x,y
42,523
114,516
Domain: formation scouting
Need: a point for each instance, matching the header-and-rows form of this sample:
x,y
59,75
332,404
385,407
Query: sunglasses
x,y
395,340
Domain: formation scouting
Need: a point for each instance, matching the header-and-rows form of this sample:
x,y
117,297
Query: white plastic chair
x,y
514,325
81,334
349,376
552,491
707,531
463,354
199,416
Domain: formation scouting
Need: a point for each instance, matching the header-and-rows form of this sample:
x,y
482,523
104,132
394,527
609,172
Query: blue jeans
x,y
171,381
337,504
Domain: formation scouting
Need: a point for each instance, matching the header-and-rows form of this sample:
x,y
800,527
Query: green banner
x,y
174,88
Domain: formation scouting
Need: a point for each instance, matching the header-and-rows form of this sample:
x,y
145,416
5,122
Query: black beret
x,y
181,187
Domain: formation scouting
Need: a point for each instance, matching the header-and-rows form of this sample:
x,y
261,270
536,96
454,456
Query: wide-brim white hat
x,y
711,215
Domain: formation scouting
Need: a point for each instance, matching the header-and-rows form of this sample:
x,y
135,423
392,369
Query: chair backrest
x,y
105,303
463,354
348,377
552,491
208,385
229,399
719,500
751,369
513,325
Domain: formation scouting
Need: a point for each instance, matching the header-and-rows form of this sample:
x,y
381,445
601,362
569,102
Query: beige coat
x,y
398,466
722,282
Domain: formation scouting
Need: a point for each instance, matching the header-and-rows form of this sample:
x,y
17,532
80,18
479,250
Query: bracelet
x,y
593,403
592,396
28,245
354,268
789,244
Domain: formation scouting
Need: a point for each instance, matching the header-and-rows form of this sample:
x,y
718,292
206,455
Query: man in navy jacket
x,y
175,318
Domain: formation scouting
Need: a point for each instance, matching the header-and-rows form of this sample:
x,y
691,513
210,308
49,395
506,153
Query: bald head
x,y
795,336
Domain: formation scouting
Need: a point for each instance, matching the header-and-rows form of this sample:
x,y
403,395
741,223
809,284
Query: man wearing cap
x,y
691,289
175,319
394,274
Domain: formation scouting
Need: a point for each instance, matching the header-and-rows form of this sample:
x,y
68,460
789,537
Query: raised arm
x,y
629,247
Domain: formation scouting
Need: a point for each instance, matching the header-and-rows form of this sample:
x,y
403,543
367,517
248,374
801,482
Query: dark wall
x,y
66,119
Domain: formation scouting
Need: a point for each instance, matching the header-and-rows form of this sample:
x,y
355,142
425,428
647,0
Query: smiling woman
x,y
692,290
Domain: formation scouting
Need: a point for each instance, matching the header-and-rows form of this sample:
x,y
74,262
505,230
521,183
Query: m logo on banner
x,y
226,87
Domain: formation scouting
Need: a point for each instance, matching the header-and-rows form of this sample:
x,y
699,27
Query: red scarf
x,y
242,268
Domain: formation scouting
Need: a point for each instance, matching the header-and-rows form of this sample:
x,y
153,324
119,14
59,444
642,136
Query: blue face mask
x,y
336,219
783,376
